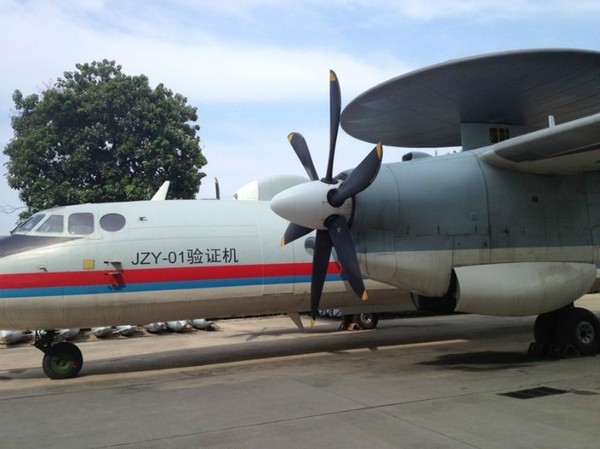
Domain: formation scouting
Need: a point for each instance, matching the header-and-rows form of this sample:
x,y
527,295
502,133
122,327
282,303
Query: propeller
x,y
326,205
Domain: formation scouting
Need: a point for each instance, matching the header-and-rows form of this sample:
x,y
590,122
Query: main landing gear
x,y
567,330
62,360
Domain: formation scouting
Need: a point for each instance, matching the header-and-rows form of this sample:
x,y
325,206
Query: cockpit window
x,y
112,222
81,223
54,223
30,224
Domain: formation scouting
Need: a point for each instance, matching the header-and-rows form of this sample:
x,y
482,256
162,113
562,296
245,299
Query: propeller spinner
x,y
326,205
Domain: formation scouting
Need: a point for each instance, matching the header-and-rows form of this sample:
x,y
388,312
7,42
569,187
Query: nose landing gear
x,y
62,360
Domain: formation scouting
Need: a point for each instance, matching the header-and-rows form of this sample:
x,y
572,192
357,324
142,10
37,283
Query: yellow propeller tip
x,y
332,76
379,150
290,136
364,296
312,323
283,242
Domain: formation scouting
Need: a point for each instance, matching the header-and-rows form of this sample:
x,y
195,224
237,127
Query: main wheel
x,y
580,328
366,320
62,361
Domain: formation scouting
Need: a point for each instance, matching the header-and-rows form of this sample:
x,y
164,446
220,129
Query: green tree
x,y
98,135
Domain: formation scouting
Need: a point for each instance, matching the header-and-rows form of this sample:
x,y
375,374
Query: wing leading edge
x,y
568,148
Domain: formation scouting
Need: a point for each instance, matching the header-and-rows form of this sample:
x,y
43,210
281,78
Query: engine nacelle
x,y
437,304
517,289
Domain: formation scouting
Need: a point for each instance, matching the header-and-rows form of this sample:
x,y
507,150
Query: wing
x,y
568,148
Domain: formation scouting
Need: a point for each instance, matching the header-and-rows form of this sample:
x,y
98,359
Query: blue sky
x,y
258,69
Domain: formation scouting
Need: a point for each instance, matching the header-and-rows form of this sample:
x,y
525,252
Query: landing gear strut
x,y
61,360
571,328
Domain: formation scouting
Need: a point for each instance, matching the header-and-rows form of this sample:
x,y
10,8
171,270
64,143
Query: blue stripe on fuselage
x,y
156,286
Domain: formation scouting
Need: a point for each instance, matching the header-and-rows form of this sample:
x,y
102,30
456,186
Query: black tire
x,y
366,320
580,328
62,361
544,329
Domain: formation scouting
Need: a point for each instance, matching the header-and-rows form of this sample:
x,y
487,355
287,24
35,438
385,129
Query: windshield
x,y
54,223
29,224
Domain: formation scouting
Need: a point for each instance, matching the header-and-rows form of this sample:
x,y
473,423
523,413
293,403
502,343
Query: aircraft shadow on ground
x,y
484,360
326,341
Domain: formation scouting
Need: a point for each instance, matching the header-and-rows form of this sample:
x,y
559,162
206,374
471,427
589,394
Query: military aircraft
x,y
509,226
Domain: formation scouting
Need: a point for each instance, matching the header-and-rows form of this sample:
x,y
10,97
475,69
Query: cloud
x,y
203,66
471,10
265,77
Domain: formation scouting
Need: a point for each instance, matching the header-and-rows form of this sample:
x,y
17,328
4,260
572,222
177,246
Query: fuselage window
x,y
54,223
112,222
81,223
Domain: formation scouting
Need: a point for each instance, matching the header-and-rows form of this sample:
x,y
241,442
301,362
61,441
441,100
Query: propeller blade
x,y
323,247
335,107
359,179
309,203
346,253
294,232
301,148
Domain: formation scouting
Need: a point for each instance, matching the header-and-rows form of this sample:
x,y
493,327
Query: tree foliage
x,y
98,135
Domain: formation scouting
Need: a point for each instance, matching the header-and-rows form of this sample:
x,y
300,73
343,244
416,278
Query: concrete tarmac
x,y
460,381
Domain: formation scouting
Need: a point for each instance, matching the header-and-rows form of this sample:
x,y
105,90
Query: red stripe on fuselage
x,y
174,274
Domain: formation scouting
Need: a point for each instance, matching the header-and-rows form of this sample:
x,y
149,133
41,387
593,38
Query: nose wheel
x,y
61,360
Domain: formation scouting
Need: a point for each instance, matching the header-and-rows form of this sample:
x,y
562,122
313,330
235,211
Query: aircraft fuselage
x,y
432,226
170,260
